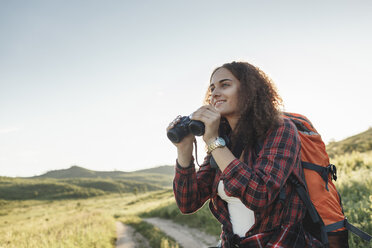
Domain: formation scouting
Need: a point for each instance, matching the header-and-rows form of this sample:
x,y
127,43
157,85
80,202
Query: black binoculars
x,y
184,127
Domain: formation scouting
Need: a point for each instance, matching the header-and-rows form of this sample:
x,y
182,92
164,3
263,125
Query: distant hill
x,y
161,176
361,143
80,172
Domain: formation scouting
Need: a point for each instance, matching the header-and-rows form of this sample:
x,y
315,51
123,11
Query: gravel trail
x,y
185,236
127,237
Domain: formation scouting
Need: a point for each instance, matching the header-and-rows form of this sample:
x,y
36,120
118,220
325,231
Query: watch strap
x,y
217,143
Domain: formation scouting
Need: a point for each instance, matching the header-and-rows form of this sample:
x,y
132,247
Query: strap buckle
x,y
323,171
333,170
330,169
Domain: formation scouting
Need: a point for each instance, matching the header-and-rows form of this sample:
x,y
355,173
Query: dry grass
x,y
71,223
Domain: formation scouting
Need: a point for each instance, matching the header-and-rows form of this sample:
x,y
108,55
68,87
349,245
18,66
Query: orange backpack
x,y
327,217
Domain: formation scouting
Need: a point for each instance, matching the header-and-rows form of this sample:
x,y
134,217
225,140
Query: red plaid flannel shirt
x,y
257,182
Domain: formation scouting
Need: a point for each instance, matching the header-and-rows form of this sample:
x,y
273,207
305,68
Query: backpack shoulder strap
x,y
313,223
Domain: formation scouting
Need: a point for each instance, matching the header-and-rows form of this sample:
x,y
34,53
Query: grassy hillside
x,y
358,143
50,189
78,182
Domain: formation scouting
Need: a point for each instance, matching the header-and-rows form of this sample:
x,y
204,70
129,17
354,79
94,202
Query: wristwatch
x,y
217,143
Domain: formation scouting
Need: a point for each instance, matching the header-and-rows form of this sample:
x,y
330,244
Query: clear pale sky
x,y
95,83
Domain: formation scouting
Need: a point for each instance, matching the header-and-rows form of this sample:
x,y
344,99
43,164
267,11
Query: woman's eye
x,y
225,85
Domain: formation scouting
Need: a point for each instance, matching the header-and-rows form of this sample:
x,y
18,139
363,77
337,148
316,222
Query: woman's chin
x,y
220,111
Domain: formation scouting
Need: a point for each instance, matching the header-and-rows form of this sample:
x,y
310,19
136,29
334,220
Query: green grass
x,y
80,223
354,184
54,224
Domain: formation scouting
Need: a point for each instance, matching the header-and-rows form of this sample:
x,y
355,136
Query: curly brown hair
x,y
258,101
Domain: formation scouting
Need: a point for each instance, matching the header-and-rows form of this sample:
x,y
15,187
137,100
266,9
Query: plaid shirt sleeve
x,y
192,189
258,183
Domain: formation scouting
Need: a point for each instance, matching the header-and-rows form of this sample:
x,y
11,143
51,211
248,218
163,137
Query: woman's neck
x,y
233,121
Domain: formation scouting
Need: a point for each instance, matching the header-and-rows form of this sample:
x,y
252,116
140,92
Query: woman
x,y
255,150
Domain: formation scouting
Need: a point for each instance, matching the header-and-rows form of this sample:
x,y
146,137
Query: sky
x,y
95,83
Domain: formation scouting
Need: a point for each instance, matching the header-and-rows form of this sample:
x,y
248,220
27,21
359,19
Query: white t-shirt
x,y
241,217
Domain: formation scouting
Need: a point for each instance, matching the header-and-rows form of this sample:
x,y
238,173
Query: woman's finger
x,y
174,122
205,115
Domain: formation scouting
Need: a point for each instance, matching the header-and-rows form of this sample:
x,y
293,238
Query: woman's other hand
x,y
211,119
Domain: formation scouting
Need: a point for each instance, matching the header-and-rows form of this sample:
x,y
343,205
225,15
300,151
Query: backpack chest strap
x,y
323,171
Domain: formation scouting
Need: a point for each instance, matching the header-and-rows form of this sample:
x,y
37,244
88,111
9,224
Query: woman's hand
x,y
184,147
211,119
187,140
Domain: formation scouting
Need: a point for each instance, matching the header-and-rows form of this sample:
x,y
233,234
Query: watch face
x,y
221,141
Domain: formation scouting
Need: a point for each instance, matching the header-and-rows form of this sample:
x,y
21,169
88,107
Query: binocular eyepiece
x,y
184,127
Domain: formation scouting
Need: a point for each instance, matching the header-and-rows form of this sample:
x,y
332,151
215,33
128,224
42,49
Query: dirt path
x,y
185,236
128,238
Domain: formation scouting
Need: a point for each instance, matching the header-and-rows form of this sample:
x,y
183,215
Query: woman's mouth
x,y
219,102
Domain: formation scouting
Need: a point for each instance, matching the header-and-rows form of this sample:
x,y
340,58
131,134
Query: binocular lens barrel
x,y
173,136
184,127
197,128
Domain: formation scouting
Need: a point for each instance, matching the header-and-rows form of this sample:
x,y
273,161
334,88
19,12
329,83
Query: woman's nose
x,y
216,92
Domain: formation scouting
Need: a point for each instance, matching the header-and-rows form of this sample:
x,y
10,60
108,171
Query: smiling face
x,y
224,89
